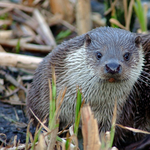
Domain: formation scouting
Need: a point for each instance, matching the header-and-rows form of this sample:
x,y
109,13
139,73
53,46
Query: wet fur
x,y
75,65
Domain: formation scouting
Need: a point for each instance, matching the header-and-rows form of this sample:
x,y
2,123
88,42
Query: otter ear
x,y
138,40
87,40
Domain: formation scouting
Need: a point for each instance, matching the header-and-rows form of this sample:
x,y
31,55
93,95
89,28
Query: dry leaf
x,y
89,129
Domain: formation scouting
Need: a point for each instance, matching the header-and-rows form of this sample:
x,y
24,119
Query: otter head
x,y
114,55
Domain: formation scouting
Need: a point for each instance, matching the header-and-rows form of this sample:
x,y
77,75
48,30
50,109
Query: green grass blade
x,y
27,139
36,139
18,47
67,145
63,34
112,132
140,14
52,101
77,112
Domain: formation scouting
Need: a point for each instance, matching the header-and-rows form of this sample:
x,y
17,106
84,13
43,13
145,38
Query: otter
x,y
107,64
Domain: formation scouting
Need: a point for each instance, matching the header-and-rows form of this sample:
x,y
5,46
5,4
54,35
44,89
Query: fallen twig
x,y
13,102
12,93
20,61
96,18
22,17
83,16
43,29
129,15
2,50
26,46
19,6
111,8
5,22
5,10
116,22
5,34
11,79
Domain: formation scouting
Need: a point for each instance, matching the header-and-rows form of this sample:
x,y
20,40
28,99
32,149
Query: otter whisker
x,y
148,74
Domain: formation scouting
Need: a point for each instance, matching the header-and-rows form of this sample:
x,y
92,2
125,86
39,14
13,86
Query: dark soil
x,y
13,121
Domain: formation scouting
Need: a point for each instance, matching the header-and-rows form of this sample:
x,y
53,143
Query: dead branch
x,y
97,19
6,34
129,14
113,4
10,94
22,17
19,6
10,79
5,10
13,102
26,46
13,42
125,10
43,29
68,25
20,61
5,22
37,48
83,16
116,22
2,50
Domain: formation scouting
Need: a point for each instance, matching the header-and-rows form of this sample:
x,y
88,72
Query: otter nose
x,y
113,68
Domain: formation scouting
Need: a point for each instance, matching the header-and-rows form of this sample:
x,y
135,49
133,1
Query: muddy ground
x,y
13,121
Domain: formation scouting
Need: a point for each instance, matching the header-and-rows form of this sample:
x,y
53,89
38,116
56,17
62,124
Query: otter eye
x,y
98,55
126,56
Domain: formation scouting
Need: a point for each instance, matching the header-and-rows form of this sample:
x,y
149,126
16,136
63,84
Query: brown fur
x,y
75,64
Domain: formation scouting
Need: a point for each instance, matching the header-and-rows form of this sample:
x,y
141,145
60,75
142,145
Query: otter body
x,y
107,64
